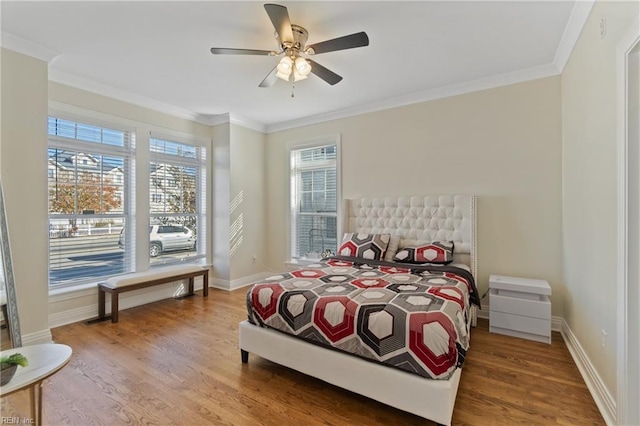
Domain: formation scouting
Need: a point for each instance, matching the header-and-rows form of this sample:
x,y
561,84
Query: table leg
x,y
38,419
33,396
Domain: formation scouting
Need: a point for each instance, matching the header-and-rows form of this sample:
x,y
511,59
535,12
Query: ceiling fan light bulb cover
x,y
297,76
283,76
285,65
302,66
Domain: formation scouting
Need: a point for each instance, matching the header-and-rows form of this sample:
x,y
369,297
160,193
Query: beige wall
x,y
503,145
589,185
247,219
221,202
24,175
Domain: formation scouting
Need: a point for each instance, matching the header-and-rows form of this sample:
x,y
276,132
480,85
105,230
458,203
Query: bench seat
x,y
129,282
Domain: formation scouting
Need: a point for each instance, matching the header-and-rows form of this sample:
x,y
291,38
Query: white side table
x,y
44,361
520,307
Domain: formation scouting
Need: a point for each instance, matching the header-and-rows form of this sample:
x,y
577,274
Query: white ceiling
x,y
156,54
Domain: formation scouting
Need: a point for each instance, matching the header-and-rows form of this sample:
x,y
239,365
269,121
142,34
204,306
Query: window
x,y
88,179
177,182
314,200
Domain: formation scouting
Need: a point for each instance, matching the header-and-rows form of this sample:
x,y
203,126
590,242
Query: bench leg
x,y
244,356
191,284
114,307
101,303
205,284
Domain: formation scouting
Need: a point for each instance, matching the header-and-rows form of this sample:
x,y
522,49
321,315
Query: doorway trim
x,y
627,332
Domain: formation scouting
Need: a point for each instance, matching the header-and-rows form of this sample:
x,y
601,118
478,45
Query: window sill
x,y
73,292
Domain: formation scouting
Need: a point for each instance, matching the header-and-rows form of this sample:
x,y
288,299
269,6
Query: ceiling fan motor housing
x,y
300,37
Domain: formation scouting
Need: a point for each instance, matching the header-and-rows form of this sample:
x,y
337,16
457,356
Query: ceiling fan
x,y
292,40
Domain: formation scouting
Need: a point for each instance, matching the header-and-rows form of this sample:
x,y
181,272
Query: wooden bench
x,y
135,281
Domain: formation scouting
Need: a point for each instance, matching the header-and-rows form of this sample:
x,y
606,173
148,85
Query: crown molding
x,y
579,16
249,124
26,47
123,95
424,96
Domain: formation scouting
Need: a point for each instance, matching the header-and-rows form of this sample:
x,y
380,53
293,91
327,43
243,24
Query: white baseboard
x,y
135,298
601,395
42,336
240,282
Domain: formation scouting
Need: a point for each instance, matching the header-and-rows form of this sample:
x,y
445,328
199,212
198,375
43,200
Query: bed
x,y
382,324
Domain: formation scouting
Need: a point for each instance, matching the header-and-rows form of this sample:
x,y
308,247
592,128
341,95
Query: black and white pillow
x,y
440,252
366,246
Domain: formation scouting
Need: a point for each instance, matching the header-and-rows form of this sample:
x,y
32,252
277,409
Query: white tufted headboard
x,y
425,218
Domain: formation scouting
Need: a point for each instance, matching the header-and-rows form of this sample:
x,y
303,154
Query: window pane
x,y
173,239
176,185
86,132
173,188
314,222
82,183
80,249
173,148
316,233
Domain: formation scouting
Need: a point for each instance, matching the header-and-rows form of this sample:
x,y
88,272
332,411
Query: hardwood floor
x,y
177,362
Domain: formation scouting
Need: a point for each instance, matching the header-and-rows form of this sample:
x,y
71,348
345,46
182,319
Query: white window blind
x,y
314,200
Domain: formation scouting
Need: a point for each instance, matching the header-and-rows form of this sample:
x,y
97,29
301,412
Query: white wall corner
x,y
601,395
220,283
579,16
249,124
240,282
26,47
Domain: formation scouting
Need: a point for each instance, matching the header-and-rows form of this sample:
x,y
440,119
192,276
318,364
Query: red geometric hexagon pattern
x,y
429,253
308,273
335,317
448,293
369,282
433,330
265,299
335,262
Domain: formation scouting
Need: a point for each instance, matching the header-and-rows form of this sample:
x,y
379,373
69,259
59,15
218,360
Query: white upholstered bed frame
x,y
427,218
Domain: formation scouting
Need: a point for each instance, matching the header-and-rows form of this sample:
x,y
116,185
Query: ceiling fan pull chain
x,y
293,88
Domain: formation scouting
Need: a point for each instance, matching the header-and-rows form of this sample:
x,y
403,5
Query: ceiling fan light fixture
x,y
298,76
284,68
302,66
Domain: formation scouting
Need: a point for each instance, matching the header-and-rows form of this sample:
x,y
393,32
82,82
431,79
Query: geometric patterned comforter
x,y
410,317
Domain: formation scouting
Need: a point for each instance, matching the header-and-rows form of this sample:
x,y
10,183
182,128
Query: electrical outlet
x,y
603,340
603,28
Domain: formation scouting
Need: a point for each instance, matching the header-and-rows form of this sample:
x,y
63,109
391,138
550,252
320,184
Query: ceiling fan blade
x,y
346,42
229,51
270,79
280,18
324,73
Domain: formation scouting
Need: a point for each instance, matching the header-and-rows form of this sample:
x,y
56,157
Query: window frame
x,y
291,200
201,163
126,152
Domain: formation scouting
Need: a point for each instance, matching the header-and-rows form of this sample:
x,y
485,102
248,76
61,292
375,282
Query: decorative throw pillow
x,y
440,252
366,246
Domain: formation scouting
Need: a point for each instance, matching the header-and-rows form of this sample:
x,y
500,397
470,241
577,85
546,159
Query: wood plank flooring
x,y
177,362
